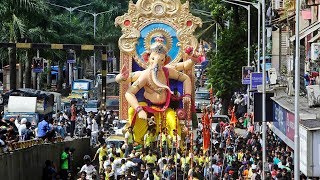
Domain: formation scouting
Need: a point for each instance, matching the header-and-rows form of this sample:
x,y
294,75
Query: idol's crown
x,y
159,45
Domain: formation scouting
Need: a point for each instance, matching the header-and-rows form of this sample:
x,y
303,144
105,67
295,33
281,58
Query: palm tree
x,y
15,15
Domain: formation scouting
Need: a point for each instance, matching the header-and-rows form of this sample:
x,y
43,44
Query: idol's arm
x,y
177,75
131,78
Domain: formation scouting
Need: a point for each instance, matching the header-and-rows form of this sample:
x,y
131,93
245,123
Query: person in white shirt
x,y
89,121
215,168
88,168
116,167
22,125
94,132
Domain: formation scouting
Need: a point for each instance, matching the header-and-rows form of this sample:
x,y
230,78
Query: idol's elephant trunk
x,y
155,80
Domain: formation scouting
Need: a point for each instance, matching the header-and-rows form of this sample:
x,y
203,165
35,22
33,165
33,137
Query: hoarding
x,y
37,64
246,72
255,80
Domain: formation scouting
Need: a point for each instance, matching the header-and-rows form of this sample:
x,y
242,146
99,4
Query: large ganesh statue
x,y
157,56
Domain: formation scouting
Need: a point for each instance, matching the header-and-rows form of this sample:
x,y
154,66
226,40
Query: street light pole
x,y
296,97
257,6
264,130
94,33
70,9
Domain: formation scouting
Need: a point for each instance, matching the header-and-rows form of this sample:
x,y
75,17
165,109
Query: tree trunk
x,y
49,74
13,69
27,72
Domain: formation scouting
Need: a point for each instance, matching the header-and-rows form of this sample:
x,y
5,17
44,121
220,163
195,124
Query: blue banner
x,y
280,118
255,80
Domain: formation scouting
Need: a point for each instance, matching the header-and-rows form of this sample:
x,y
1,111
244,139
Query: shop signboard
x,y
246,72
279,119
255,80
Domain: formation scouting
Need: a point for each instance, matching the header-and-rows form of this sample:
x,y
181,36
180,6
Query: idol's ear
x,y
145,56
168,60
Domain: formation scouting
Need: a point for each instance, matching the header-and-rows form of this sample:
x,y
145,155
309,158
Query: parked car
x,y
202,99
115,140
216,119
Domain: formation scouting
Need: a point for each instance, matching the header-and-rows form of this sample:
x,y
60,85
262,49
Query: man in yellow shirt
x,y
102,151
148,140
151,159
163,140
129,139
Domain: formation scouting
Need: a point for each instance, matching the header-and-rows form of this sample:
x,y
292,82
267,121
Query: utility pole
x,y
296,97
264,129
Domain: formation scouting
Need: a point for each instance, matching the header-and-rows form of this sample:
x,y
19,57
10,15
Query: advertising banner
x,y
255,80
37,65
246,72
290,126
279,119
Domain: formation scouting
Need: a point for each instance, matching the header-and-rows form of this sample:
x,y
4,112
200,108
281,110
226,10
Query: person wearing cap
x,y
129,140
102,151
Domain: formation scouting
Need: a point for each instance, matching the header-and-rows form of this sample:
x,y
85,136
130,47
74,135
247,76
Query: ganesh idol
x,y
157,93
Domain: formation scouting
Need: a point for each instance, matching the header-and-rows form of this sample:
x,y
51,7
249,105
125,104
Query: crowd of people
x,y
229,156
64,124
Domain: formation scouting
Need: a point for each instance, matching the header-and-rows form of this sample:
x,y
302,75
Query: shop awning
x,y
316,37
306,31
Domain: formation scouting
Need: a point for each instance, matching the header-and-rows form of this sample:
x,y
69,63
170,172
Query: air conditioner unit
x,y
313,95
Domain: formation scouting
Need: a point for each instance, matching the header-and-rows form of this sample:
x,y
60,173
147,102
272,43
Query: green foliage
x,y
225,69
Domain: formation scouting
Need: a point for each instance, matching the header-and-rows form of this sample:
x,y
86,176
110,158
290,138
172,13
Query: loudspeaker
x,y
257,107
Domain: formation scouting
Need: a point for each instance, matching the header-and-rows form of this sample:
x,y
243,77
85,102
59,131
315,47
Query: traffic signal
x,y
37,64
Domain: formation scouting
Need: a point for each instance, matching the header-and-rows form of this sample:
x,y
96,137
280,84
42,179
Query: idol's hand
x,y
142,115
